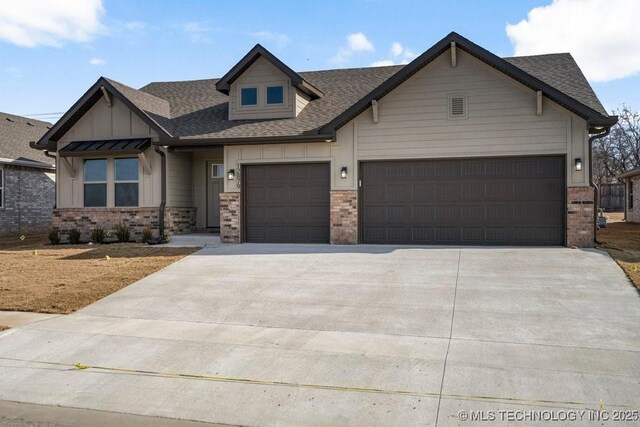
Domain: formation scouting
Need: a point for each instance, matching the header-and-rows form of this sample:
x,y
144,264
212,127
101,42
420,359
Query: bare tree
x,y
620,150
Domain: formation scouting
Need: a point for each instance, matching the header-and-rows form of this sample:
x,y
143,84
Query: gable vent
x,y
457,107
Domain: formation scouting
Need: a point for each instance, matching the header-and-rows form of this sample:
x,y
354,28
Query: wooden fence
x,y
612,197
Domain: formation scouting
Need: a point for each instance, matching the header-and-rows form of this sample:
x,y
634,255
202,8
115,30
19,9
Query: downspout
x,y
55,187
163,189
593,184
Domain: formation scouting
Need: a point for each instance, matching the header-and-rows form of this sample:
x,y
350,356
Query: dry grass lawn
x,y
35,276
622,241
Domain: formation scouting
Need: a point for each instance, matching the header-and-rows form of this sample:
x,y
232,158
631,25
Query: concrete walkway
x,y
330,335
19,318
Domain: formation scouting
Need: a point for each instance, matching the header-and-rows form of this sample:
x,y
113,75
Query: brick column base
x,y
580,219
343,221
230,217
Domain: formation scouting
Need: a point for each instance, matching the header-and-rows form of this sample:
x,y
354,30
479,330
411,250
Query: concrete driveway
x,y
329,335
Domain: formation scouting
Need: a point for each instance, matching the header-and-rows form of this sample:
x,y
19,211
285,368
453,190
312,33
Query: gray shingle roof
x,y
561,71
197,110
156,108
15,134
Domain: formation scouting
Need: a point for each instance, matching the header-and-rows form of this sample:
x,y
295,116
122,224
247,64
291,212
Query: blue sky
x,y
137,42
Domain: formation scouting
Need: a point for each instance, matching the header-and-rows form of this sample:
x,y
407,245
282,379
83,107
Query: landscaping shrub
x,y
74,236
147,234
97,235
122,233
54,237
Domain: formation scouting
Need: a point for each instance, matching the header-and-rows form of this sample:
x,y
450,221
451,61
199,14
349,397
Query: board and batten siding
x,y
99,123
261,74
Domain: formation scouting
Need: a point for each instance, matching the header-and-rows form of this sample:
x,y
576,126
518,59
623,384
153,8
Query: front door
x,y
215,186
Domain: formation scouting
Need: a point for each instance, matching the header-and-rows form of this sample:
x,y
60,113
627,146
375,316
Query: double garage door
x,y
489,201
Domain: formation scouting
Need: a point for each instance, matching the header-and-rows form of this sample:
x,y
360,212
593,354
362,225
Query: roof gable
x,y
151,109
224,84
594,118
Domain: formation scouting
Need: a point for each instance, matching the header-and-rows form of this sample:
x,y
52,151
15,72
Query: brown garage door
x,y
287,203
493,201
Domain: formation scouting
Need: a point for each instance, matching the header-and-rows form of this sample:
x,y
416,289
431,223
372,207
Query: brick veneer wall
x,y
580,219
633,215
177,220
180,220
29,196
230,210
343,221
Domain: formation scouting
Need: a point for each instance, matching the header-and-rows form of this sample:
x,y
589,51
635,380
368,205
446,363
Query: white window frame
x,y
249,106
217,170
266,97
2,186
261,89
115,181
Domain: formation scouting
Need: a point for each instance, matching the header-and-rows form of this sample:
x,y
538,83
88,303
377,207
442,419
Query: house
x,y
631,180
27,177
457,147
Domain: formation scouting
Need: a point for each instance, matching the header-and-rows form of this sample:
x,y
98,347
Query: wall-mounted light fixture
x,y
578,164
231,175
343,172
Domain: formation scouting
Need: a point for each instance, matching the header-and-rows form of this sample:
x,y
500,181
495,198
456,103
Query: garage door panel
x,y
287,203
472,234
422,234
470,201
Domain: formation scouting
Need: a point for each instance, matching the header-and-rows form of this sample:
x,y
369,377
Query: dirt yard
x,y
622,241
35,276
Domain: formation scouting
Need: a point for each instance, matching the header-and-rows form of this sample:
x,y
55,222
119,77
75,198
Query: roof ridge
x,y
24,118
112,81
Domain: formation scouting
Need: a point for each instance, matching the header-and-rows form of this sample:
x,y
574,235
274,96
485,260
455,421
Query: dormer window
x,y
275,95
249,96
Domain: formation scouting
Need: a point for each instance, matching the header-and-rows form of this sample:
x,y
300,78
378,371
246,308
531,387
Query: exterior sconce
x,y
231,175
578,164
343,172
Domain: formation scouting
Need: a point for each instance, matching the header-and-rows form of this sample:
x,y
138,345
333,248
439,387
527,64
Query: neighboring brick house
x,y
27,177
631,181
457,147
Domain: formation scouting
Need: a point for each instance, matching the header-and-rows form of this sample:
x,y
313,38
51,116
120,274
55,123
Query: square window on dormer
x,y
275,95
249,96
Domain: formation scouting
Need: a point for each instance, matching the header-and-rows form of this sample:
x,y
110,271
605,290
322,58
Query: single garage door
x,y
489,201
287,203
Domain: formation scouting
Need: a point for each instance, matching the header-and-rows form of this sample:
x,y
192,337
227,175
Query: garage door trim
x,y
361,183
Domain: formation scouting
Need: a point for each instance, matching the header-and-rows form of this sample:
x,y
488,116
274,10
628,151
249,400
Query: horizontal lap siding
x,y
179,180
501,119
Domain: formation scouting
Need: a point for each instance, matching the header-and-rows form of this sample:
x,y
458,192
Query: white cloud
x,y
396,49
356,42
97,61
32,23
401,54
197,31
278,39
136,26
383,63
602,35
359,42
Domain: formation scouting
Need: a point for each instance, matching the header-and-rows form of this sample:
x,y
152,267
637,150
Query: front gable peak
x,y
224,84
